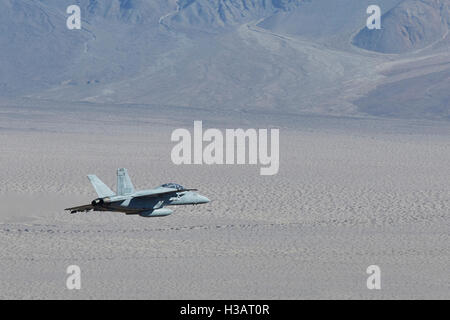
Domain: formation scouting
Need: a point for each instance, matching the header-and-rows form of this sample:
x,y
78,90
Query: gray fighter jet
x,y
146,203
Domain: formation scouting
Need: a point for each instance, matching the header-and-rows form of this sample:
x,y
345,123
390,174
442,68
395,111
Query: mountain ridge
x,y
267,56
412,25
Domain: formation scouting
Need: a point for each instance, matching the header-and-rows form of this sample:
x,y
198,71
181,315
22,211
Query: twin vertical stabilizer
x,y
124,185
102,189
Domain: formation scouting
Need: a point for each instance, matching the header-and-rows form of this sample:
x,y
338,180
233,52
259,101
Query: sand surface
x,y
376,192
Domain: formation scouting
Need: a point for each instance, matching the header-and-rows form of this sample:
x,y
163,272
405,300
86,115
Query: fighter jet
x,y
146,203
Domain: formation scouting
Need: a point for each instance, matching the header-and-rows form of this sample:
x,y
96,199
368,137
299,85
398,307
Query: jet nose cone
x,y
203,199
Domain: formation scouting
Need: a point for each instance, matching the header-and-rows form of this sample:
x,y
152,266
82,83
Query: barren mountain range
x,y
301,56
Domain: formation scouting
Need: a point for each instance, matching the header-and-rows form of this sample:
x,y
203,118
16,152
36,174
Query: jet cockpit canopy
x,y
173,186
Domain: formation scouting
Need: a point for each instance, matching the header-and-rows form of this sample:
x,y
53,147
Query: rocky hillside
x,y
412,25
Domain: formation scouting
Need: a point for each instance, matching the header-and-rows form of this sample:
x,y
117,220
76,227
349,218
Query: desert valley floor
x,y
376,192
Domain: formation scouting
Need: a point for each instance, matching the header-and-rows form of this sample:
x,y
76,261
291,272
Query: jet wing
x,y
85,208
153,194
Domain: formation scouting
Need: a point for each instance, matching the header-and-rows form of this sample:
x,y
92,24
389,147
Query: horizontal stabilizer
x,y
85,208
